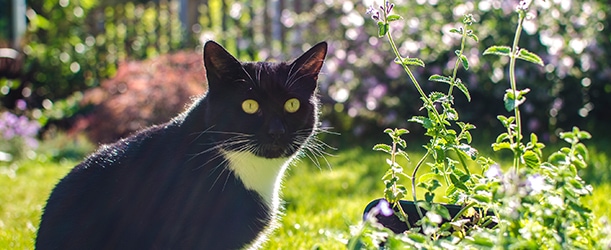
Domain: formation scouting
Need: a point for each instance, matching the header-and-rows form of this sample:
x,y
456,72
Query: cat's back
x,y
115,189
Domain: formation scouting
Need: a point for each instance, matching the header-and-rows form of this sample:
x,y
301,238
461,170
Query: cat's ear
x,y
310,63
218,62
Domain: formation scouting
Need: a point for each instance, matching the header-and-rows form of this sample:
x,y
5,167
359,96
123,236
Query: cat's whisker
x,y
291,81
222,166
199,134
244,148
314,148
292,74
248,75
240,138
258,75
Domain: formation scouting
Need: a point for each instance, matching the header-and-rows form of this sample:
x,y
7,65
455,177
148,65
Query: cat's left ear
x,y
310,63
218,62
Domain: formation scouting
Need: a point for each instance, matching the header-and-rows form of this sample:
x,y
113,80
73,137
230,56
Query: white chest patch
x,y
259,174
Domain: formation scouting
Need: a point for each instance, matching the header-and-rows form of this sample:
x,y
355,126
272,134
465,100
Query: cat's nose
x,y
276,129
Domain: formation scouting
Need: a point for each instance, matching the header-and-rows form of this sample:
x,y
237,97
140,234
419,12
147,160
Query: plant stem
x,y
428,102
414,182
407,70
457,64
512,81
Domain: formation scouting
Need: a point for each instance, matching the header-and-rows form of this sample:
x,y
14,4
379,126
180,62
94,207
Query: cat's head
x,y
268,109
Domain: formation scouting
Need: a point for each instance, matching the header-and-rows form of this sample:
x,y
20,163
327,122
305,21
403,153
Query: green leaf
x,y
465,126
393,17
506,121
533,138
443,212
580,149
450,112
502,145
473,36
383,147
438,97
425,121
558,158
467,136
460,85
457,182
530,57
419,238
426,177
502,137
457,31
569,137
465,62
429,196
382,29
409,61
400,131
498,50
531,159
439,78
481,198
510,101
580,134
483,241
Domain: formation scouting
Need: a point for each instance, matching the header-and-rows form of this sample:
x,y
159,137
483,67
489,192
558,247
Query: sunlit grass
x,y
25,187
320,203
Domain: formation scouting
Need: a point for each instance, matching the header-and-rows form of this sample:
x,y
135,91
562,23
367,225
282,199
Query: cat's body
x,y
208,179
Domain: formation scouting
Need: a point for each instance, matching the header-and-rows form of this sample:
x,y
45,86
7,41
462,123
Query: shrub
x,y
142,93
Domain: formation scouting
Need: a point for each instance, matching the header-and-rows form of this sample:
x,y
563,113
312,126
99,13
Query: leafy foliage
x,y
522,201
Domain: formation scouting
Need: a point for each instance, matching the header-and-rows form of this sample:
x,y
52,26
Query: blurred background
x,y
104,69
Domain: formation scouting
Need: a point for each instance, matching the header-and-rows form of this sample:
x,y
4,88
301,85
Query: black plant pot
x,y
393,222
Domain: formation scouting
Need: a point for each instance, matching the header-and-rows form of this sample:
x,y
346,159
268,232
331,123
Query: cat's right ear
x,y
218,62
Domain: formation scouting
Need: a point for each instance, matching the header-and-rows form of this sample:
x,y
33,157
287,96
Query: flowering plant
x,y
17,135
536,203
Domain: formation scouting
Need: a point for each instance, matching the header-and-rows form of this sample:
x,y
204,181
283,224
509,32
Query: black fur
x,y
168,187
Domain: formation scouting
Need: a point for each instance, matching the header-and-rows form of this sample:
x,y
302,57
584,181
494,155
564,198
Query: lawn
x,y
321,202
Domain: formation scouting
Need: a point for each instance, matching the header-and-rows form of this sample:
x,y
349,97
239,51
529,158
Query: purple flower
x,y
389,6
13,126
375,15
523,5
384,208
21,104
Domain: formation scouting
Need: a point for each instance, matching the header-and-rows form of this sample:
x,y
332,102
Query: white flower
x,y
434,217
494,172
555,201
537,183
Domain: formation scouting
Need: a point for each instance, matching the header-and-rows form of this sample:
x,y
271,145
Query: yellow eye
x,y
292,105
250,106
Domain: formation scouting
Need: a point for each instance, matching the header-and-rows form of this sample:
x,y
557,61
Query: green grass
x,y
320,203
25,187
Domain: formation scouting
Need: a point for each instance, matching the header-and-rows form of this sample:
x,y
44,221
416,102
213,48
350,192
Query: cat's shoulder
x,y
114,153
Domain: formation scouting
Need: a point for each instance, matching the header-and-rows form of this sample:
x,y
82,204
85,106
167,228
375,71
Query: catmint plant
x,y
513,98
438,124
536,204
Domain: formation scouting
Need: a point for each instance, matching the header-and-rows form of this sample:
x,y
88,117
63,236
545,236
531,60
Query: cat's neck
x,y
259,174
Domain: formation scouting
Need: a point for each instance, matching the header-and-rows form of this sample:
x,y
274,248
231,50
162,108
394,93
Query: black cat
x,y
208,179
